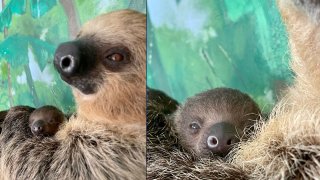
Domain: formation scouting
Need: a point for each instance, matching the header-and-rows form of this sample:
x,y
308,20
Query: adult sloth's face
x,y
106,67
106,50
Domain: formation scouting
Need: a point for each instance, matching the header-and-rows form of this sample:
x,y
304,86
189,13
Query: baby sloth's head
x,y
45,121
213,121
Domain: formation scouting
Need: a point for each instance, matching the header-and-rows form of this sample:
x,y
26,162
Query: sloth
x,y
46,120
106,68
287,145
206,127
213,121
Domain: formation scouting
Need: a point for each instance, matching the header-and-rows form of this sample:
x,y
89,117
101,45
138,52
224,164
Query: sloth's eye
x,y
115,57
194,126
52,121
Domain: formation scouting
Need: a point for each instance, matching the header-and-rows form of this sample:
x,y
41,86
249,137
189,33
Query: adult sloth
x,y
105,67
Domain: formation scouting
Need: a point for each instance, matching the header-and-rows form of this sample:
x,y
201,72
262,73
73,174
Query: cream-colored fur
x,y
288,145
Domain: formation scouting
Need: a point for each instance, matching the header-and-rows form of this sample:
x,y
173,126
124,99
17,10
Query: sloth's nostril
x,y
65,62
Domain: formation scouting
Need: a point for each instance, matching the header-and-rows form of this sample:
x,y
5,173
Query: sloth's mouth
x,y
209,154
85,85
86,89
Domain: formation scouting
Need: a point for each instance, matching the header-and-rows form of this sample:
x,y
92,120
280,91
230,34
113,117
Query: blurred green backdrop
x,y
197,45
30,32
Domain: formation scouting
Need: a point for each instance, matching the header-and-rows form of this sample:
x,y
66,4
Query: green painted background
x,y
30,30
198,45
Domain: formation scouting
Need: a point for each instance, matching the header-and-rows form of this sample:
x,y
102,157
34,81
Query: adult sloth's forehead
x,y
116,24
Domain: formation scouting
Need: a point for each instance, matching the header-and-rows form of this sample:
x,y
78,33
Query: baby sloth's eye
x,y
194,126
52,121
115,57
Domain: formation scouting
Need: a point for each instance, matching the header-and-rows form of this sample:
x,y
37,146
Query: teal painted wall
x,y
197,45
30,30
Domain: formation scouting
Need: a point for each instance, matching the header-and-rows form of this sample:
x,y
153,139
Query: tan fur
x,y
106,138
126,89
288,145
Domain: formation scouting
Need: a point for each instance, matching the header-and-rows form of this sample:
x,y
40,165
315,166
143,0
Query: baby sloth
x,y
45,121
211,122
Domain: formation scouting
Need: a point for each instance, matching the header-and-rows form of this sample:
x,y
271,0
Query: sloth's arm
x,y
79,151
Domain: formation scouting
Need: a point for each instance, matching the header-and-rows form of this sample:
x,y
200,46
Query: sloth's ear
x,y
16,124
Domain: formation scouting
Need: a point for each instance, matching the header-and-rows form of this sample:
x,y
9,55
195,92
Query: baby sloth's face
x,y
45,121
211,123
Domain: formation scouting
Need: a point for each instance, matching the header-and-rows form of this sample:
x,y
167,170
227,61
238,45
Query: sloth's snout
x,y
221,138
76,62
67,59
38,127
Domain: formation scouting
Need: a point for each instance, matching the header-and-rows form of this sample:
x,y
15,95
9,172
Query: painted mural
x,y
30,30
198,45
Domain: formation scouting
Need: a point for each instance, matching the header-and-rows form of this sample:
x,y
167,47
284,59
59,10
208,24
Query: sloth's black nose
x,y
67,59
38,127
221,138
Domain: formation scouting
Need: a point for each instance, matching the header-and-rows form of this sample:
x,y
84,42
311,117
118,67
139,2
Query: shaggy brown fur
x,y
159,125
106,140
180,165
2,117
